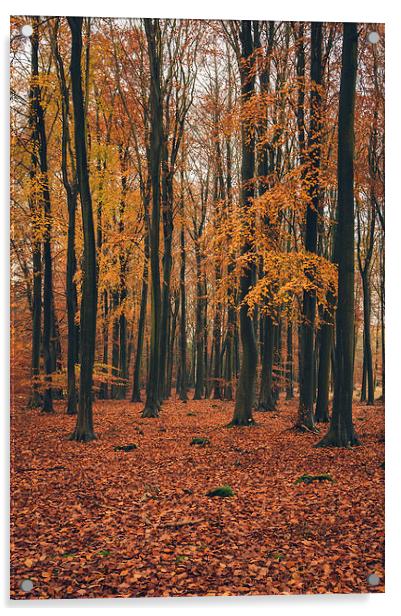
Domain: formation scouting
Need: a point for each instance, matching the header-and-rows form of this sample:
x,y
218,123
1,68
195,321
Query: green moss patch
x,y
223,491
129,447
306,478
202,441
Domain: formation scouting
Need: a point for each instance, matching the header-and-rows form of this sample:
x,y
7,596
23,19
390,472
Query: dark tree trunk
x,y
323,379
307,367
122,326
84,426
153,393
217,343
168,228
245,388
71,188
341,432
363,384
115,352
199,327
183,317
34,203
266,399
136,388
72,302
290,364
48,356
367,343
171,346
104,387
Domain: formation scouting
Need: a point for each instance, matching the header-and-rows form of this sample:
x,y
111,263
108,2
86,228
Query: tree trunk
x,y
84,426
326,338
341,432
104,387
34,203
183,317
153,393
47,256
290,364
245,388
306,388
199,327
266,400
71,188
72,302
115,352
136,388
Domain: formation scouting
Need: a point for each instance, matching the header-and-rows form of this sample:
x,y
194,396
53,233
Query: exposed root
x,y
302,428
82,436
150,412
336,440
241,423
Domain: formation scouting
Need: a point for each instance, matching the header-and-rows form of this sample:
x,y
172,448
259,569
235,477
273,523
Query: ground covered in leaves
x,y
90,520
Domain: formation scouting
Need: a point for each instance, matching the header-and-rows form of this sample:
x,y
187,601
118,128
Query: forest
x,y
197,307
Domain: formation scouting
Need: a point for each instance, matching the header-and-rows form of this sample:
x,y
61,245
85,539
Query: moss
x,y
202,441
306,478
222,491
129,447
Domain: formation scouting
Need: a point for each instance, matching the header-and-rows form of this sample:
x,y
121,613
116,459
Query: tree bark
x,y
246,382
341,431
153,393
34,204
136,388
84,426
183,317
306,389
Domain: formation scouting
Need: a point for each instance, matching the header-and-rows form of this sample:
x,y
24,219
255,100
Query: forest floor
x,y
89,521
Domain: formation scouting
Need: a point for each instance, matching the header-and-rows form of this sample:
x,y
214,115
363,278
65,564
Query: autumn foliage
x,y
189,199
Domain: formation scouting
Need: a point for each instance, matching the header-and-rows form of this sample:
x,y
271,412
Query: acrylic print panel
x,y
197,271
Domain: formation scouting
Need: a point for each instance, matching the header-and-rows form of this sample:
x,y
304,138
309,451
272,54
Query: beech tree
x,y
245,390
341,431
84,426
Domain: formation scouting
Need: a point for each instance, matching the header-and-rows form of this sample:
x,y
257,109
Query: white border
x,y
340,10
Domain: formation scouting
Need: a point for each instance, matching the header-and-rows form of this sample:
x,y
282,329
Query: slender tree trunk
x,y
48,356
199,327
266,399
153,394
115,352
104,387
307,391
367,339
183,317
323,379
84,426
71,188
136,388
217,344
341,431
71,307
35,209
168,228
290,364
245,388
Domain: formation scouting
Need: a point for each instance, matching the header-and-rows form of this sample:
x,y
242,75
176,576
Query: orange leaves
x,y
286,276
93,534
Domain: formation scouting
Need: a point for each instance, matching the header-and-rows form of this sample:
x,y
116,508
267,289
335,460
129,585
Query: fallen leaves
x,y
106,524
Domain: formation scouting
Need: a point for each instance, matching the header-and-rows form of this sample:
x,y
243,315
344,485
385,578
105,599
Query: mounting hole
x,y
26,585
373,37
373,579
27,30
